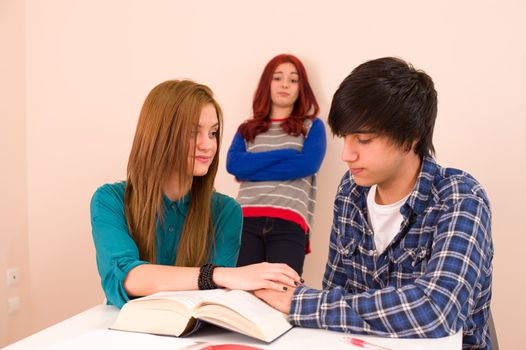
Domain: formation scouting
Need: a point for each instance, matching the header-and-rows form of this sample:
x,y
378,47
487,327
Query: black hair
x,y
389,97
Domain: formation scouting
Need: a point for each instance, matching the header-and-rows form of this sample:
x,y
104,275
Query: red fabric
x,y
289,215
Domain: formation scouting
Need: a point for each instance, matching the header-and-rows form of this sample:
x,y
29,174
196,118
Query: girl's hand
x,y
279,277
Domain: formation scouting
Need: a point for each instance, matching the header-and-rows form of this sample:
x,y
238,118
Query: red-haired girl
x,y
275,155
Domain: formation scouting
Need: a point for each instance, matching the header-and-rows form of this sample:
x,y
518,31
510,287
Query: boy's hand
x,y
279,300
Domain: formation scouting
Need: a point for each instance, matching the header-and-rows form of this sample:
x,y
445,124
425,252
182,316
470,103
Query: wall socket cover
x,y
13,305
12,276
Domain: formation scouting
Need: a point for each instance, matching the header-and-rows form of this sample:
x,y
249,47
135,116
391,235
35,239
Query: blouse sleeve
x,y
116,251
228,220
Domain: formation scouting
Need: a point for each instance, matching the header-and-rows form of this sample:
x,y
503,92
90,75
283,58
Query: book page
x,y
189,298
168,313
153,319
246,304
243,312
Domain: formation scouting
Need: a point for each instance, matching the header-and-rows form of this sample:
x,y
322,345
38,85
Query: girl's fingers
x,y
289,271
286,270
281,279
276,286
274,276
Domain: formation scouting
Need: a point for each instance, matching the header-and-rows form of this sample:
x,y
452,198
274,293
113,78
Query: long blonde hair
x,y
168,119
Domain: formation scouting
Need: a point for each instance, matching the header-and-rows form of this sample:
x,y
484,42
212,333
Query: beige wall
x,y
13,198
89,65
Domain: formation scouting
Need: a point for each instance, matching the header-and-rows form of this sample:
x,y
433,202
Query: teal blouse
x,y
117,252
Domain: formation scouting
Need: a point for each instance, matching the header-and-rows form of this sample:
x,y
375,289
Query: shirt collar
x,y
419,197
417,200
180,204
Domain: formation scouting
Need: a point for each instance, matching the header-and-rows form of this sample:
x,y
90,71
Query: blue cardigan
x,y
281,164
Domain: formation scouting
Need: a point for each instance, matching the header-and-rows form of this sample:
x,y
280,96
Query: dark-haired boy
x,y
411,251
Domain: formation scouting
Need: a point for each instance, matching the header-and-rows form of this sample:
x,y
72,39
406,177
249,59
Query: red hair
x,y
305,103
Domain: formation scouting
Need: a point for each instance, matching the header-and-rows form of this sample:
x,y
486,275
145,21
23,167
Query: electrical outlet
x,y
13,305
12,275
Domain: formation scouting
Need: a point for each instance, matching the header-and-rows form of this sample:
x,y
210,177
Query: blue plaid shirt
x,y
432,280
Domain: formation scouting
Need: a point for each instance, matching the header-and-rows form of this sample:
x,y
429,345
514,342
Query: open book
x,y
178,314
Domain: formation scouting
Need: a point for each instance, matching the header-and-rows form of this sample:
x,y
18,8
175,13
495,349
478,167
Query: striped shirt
x,y
277,172
432,280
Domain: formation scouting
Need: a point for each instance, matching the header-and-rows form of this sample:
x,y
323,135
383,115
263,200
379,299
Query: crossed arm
x,y
280,164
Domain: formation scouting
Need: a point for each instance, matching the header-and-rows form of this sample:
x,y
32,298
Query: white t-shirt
x,y
385,220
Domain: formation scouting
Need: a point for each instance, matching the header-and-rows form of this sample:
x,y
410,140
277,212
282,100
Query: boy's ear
x,y
411,146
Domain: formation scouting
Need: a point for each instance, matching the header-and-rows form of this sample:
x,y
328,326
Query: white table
x,y
100,317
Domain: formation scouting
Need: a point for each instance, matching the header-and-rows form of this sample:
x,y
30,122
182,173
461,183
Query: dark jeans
x,y
272,240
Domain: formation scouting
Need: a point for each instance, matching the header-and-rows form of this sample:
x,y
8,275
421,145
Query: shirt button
x,y
172,205
171,229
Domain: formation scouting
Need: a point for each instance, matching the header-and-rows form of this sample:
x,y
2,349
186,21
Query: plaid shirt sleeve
x,y
435,304
335,275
